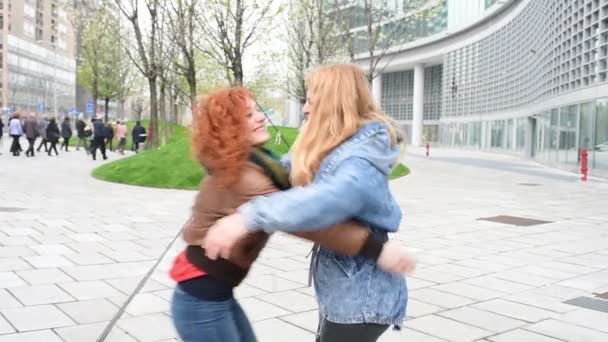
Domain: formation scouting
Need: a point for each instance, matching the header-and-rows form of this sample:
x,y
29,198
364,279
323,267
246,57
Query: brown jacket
x,y
214,202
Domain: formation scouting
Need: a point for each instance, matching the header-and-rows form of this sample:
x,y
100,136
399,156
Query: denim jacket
x,y
352,182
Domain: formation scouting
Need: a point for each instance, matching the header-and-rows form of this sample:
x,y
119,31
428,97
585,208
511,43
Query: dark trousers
x,y
334,332
66,143
53,147
82,141
99,143
43,142
30,148
15,146
109,143
121,144
135,145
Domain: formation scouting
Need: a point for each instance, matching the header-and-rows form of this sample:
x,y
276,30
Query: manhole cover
x,y
601,295
529,184
513,220
589,303
10,210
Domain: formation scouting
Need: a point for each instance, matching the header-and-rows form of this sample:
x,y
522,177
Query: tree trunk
x,y
106,103
121,109
163,112
94,94
153,131
174,109
192,85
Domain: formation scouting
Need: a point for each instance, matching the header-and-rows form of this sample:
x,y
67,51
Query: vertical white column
x,y
417,122
377,89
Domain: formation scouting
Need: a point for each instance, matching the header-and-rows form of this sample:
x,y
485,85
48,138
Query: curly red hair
x,y
220,135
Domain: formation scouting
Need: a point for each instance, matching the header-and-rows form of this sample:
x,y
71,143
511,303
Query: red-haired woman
x,y
227,139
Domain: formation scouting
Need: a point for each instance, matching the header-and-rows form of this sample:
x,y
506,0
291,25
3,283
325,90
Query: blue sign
x,y
41,107
89,107
74,110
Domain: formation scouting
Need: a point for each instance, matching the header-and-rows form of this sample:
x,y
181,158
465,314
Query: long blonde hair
x,y
342,104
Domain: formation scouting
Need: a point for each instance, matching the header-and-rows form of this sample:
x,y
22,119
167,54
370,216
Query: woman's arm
x,y
321,204
351,238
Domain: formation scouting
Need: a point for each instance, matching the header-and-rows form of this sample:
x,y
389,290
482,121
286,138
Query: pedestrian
x,y
227,140
1,132
82,134
99,138
121,135
42,125
137,135
15,131
31,133
339,165
53,135
109,134
66,132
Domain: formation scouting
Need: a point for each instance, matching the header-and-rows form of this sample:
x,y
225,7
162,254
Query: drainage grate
x,y
530,184
10,210
589,303
513,220
601,295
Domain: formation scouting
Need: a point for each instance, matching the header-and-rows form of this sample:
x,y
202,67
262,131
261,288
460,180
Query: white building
x,y
525,77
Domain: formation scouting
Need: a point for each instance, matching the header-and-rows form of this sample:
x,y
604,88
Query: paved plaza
x,y
73,249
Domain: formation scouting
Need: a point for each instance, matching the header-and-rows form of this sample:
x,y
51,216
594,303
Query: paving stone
x,y
48,261
567,332
308,320
40,294
85,290
88,258
516,310
89,311
417,308
447,329
13,264
271,283
36,318
155,327
80,333
147,303
468,291
10,279
275,330
258,310
44,276
483,319
290,300
32,336
442,299
592,319
520,335
408,335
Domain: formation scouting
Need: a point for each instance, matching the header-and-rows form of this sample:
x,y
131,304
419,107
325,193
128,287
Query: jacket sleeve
x,y
335,199
350,238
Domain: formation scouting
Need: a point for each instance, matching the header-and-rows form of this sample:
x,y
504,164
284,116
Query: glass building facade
x,y
548,52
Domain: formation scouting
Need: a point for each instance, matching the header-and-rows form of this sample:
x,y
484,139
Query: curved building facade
x,y
527,77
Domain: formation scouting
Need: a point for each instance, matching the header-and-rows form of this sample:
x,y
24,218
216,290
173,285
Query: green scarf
x,y
272,166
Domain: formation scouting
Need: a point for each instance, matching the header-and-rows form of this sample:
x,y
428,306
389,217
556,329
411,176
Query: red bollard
x,y
428,149
584,155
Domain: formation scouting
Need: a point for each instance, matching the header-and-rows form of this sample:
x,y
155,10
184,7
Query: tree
x,y
183,31
147,58
313,39
230,27
376,28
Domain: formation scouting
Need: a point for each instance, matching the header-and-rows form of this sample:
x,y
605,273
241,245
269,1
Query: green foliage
x,y
172,166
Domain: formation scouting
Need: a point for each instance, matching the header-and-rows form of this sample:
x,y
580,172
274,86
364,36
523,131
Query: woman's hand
x,y
223,235
394,258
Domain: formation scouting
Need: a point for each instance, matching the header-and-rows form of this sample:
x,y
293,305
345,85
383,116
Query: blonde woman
x,y
339,165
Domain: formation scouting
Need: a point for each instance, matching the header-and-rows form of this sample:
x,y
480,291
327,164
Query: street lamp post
x,y
53,45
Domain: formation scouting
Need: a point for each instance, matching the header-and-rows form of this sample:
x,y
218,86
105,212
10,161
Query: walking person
x,y
109,134
1,133
66,133
99,138
121,135
339,165
227,139
137,135
81,133
31,133
15,131
42,125
53,135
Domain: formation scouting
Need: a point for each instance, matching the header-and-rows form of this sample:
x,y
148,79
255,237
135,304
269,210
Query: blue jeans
x,y
206,321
